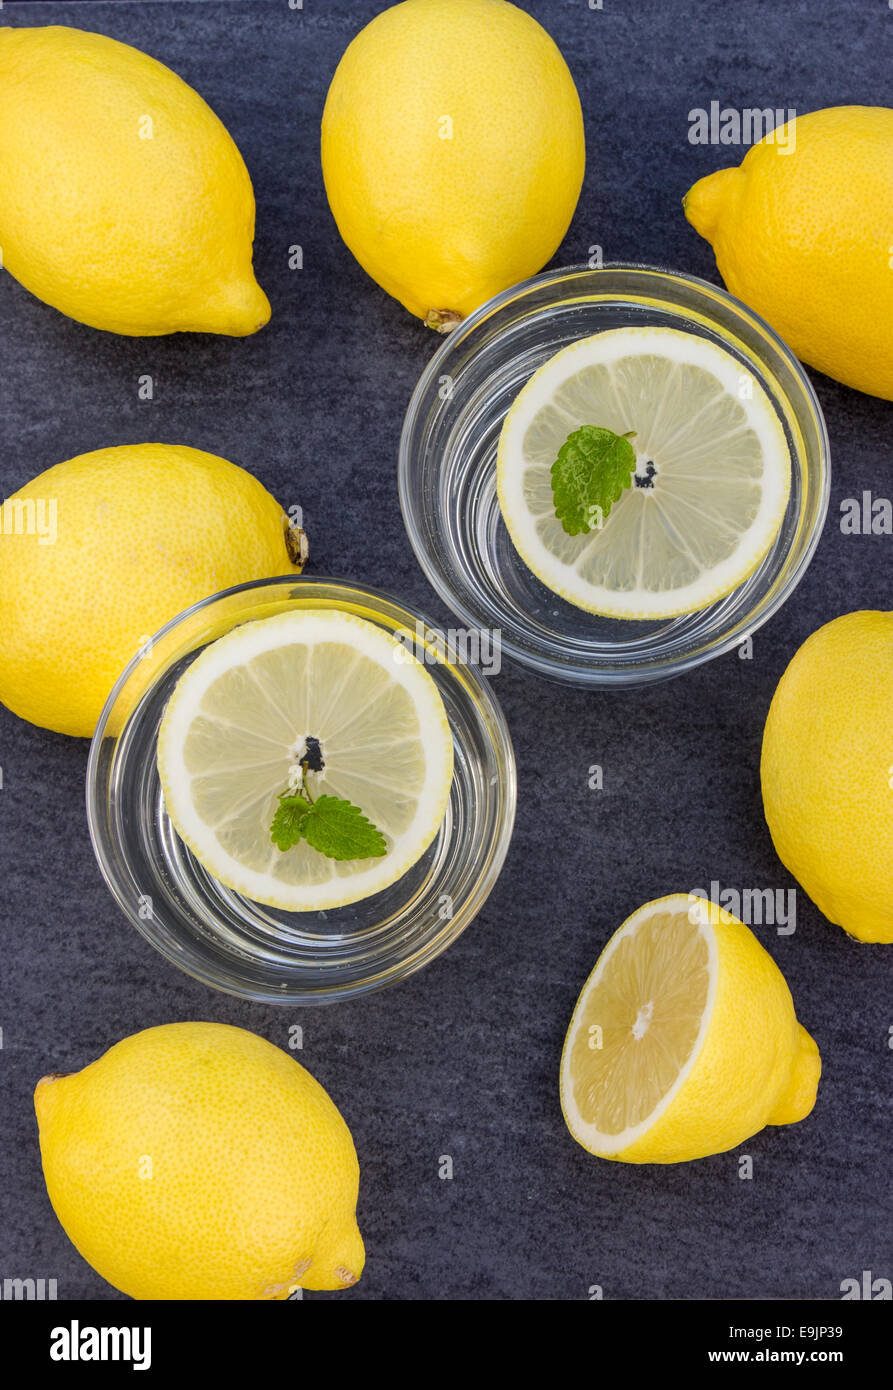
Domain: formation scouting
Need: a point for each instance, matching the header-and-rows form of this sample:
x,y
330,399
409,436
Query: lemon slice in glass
x,y
711,483
684,1040
238,724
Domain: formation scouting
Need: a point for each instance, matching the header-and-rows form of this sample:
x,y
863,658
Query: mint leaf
x,y
338,829
288,822
594,466
332,825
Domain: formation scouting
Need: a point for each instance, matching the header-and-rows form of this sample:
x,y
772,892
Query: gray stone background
x,y
462,1059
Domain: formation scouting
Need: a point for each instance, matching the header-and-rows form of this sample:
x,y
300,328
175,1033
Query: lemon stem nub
x,y
798,1099
297,545
442,320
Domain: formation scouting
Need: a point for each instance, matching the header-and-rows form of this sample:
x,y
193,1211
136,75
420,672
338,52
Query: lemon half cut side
x,y
684,1041
712,475
238,724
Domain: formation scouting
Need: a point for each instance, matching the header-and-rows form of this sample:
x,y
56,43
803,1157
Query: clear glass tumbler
x,y
448,472
258,952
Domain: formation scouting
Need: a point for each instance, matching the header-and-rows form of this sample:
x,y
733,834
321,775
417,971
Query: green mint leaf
x,y
594,466
288,822
339,830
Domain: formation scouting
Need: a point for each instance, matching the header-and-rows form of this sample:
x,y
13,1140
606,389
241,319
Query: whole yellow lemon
x,y
453,152
803,231
99,552
827,772
123,200
198,1161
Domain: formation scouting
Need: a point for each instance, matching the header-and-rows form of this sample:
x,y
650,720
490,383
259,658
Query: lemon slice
x,y
238,723
713,501
684,1040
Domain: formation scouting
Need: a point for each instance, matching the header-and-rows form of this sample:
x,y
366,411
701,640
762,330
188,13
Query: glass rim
x,y
550,666
491,719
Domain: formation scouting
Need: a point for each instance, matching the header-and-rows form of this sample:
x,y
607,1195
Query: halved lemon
x,y
239,721
684,1041
694,524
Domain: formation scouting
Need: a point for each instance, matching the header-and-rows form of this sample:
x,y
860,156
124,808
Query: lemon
x,y
99,552
239,721
715,492
684,1041
802,232
124,202
198,1161
827,772
453,152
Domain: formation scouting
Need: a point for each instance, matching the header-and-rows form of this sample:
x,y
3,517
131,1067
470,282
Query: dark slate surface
x,y
462,1060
